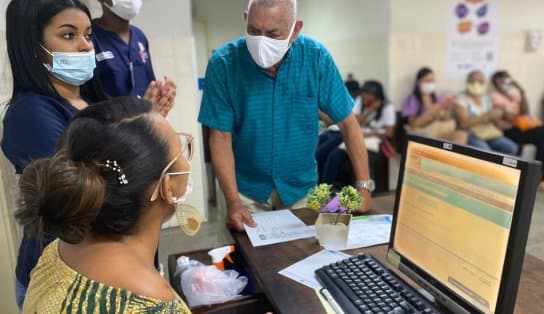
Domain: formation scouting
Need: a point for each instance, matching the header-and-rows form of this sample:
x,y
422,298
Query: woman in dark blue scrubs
x,y
52,62
123,60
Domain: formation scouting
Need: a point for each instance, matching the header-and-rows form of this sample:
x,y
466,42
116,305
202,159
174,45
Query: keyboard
x,y
362,284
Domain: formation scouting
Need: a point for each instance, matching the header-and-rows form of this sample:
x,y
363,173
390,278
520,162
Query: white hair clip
x,y
114,166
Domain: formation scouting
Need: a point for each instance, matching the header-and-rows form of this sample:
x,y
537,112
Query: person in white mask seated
x,y
261,101
429,114
475,113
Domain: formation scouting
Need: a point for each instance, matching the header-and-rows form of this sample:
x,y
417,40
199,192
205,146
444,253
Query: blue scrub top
x,y
124,70
273,120
33,125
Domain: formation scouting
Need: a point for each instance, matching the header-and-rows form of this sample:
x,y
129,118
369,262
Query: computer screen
x,y
454,219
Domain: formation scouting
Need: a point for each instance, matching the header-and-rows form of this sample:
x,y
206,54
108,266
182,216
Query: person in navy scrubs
x,y
123,60
52,62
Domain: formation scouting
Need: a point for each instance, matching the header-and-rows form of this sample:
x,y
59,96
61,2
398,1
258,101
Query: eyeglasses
x,y
158,188
187,145
187,150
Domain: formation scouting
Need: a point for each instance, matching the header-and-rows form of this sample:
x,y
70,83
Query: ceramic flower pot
x,y
332,230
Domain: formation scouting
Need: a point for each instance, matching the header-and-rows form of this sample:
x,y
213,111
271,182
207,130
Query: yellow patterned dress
x,y
56,288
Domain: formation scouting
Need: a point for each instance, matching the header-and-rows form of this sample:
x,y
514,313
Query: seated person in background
x,y
330,136
476,114
428,114
377,118
118,175
517,123
352,84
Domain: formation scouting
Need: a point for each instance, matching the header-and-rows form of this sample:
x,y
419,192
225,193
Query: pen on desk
x,y
326,294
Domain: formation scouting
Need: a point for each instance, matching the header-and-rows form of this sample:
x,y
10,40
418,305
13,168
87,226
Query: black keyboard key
x,y
397,310
419,305
406,307
363,307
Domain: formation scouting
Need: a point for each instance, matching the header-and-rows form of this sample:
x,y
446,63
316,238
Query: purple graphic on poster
x,y
461,10
482,11
483,28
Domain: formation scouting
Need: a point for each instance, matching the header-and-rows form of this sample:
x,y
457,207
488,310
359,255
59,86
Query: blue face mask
x,y
74,68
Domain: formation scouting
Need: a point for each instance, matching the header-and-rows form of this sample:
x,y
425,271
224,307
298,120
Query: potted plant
x,y
333,221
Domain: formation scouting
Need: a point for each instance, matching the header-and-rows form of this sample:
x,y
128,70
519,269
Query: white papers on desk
x,y
369,230
304,271
277,226
365,231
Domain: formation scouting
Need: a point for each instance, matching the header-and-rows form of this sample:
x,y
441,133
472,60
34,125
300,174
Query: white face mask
x,y
427,88
188,191
125,9
267,52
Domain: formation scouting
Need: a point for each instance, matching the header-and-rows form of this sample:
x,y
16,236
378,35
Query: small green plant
x,y
350,199
320,199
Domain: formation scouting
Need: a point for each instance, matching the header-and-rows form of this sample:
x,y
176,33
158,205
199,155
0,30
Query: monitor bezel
x,y
515,251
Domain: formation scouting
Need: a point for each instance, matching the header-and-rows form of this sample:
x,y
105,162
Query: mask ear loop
x,y
158,188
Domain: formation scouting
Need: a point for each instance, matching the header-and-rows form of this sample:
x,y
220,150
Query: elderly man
x,y
261,101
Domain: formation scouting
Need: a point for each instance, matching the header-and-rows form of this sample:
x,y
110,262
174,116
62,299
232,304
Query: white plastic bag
x,y
205,285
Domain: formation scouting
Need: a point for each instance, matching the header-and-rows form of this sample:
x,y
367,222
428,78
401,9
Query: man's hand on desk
x,y
367,204
237,216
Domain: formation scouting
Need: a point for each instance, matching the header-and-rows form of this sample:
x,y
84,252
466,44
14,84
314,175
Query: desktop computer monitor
x,y
461,222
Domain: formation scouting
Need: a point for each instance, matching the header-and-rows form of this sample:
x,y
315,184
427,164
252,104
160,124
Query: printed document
x,y
304,271
277,226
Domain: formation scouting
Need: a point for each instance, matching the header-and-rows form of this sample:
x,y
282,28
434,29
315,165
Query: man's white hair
x,y
291,5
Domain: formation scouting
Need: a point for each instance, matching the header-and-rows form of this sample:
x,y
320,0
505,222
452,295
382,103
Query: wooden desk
x,y
288,296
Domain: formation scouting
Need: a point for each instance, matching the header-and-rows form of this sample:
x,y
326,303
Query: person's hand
x,y
367,203
237,216
152,92
496,114
167,96
448,101
375,105
162,95
444,114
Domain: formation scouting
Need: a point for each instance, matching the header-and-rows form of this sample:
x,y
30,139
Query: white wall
x,y
355,31
9,239
388,39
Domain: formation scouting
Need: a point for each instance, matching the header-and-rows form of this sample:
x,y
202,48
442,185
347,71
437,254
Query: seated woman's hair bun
x,y
60,197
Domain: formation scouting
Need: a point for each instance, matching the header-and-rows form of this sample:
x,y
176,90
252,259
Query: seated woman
x,y
118,175
377,119
53,78
517,123
476,114
427,113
